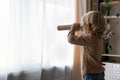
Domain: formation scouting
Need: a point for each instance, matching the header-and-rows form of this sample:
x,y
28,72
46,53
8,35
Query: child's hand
x,y
75,26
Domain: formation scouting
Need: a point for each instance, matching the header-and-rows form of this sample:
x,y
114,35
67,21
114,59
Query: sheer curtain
x,y
29,40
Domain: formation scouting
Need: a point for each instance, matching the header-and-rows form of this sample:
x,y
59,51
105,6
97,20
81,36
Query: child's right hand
x,y
75,27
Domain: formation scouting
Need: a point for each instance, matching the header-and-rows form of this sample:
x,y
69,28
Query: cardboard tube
x,y
64,27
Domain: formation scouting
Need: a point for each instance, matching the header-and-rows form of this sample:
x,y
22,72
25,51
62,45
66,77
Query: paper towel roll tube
x,y
64,27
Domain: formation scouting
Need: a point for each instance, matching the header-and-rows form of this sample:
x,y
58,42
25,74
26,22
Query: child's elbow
x,y
71,41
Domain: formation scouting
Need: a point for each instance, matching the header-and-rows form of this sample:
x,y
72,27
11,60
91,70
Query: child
x,y
93,26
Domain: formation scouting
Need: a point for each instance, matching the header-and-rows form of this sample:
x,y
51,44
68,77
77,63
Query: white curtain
x,y
29,40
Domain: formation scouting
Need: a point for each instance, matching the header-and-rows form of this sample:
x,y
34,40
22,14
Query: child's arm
x,y
84,40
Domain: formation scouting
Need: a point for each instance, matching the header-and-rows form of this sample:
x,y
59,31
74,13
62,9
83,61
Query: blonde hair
x,y
95,23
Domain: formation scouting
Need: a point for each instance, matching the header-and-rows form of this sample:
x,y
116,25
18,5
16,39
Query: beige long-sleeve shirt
x,y
93,49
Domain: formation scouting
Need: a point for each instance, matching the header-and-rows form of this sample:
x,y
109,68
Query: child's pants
x,y
94,76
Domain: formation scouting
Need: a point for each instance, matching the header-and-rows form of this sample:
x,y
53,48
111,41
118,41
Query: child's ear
x,y
90,25
90,28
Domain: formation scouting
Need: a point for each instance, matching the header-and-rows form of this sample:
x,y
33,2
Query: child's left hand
x,y
75,26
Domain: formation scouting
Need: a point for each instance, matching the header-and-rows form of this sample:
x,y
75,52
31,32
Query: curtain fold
x,y
81,9
76,71
29,40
